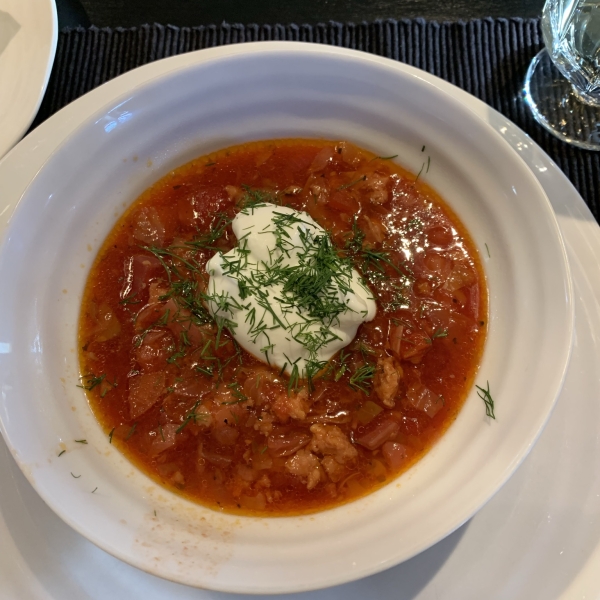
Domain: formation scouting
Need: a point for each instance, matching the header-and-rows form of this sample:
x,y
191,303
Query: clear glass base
x,y
556,105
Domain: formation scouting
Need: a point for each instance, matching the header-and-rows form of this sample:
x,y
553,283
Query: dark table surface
x,y
131,13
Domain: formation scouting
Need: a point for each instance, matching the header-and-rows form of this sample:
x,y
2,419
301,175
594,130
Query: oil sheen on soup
x,y
282,326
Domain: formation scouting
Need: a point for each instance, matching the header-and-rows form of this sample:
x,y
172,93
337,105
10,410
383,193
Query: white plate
x,y
92,572
71,205
28,34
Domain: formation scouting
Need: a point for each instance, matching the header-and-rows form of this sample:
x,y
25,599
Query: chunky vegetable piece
x,y
166,377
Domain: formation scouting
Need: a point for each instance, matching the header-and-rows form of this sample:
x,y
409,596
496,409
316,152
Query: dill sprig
x,y
485,395
373,264
90,381
362,378
236,392
342,366
354,182
207,241
191,416
131,431
255,197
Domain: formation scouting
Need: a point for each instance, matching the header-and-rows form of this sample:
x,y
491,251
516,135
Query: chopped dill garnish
x,y
206,241
362,378
61,453
254,198
131,431
365,351
354,244
236,392
419,173
343,366
81,441
75,476
191,416
94,490
371,263
208,371
488,251
90,381
485,395
311,292
172,360
130,299
294,379
110,435
347,185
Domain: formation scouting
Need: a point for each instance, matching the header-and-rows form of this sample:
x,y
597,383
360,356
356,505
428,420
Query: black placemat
x,y
488,58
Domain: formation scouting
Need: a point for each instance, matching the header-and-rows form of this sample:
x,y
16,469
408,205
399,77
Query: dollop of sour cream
x,y
284,292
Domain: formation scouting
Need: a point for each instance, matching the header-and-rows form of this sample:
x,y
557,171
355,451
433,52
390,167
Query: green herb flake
x,y
130,299
347,185
362,378
191,416
485,395
131,431
440,333
90,381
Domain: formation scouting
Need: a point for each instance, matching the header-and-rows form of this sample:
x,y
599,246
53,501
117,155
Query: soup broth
x,y
177,393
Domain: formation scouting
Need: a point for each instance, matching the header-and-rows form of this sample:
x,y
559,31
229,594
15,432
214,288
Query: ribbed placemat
x,y
488,58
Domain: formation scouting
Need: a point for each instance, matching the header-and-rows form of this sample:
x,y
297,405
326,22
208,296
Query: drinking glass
x,y
562,87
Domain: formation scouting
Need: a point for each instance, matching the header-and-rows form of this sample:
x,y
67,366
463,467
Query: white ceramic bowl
x,y
215,98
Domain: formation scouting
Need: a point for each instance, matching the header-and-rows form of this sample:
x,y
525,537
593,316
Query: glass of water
x,y
562,87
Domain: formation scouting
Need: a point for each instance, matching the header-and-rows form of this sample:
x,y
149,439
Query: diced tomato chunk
x,y
165,439
200,203
287,443
226,435
156,347
440,236
108,325
321,159
139,269
343,202
395,340
422,398
395,455
415,343
378,431
144,392
216,458
148,227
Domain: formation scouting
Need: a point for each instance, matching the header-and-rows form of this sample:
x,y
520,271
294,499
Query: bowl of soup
x,y
279,318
